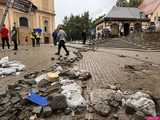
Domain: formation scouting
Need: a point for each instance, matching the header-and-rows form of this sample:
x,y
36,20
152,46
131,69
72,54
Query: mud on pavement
x,y
63,94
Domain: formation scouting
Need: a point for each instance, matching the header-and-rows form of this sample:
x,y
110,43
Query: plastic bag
x,y
41,77
4,60
8,71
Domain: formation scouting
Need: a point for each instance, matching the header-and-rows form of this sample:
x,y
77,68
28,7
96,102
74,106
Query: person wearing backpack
x,y
61,37
14,37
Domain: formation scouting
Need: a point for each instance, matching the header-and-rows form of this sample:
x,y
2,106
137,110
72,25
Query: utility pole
x,y
8,5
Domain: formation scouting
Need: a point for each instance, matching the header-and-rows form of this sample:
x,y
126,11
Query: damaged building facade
x,y
43,18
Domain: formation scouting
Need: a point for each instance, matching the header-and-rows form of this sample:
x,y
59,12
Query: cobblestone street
x,y
106,65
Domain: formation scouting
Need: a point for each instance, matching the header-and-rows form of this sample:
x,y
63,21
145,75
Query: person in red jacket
x,y
4,36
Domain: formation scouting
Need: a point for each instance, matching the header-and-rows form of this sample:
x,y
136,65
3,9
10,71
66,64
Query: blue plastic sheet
x,y
37,99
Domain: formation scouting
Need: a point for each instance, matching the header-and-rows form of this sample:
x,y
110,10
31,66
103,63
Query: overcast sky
x,y
95,7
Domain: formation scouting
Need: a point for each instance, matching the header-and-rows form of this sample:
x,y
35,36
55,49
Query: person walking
x,y
84,36
26,40
4,36
54,36
14,37
33,38
38,38
61,37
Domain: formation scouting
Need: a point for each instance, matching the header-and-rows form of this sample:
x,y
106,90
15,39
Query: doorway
x,y
126,29
46,40
115,30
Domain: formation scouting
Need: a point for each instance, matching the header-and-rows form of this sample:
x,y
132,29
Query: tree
x,y
135,3
76,24
122,3
131,3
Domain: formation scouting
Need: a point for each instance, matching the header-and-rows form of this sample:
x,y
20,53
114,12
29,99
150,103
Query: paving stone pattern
x,y
105,67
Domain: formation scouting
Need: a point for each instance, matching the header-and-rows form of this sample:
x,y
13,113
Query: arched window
x,y
23,21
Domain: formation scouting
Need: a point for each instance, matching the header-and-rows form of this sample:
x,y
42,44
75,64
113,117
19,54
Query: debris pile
x,y
73,93
112,103
144,68
105,101
10,67
141,102
77,74
41,95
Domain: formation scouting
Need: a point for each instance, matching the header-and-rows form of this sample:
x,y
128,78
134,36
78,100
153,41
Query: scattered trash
x,y
39,100
141,102
63,94
57,102
52,76
34,117
105,100
45,96
52,58
47,111
73,92
37,110
77,74
43,83
10,67
41,77
122,56
4,60
7,71
129,67
32,75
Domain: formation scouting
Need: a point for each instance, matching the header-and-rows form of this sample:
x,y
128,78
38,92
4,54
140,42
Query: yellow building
x,y
43,18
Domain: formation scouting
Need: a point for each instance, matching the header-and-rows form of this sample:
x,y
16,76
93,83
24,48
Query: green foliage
x,y
135,3
76,24
131,3
122,3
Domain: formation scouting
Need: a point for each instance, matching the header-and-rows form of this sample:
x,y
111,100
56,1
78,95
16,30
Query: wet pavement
x,y
34,59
